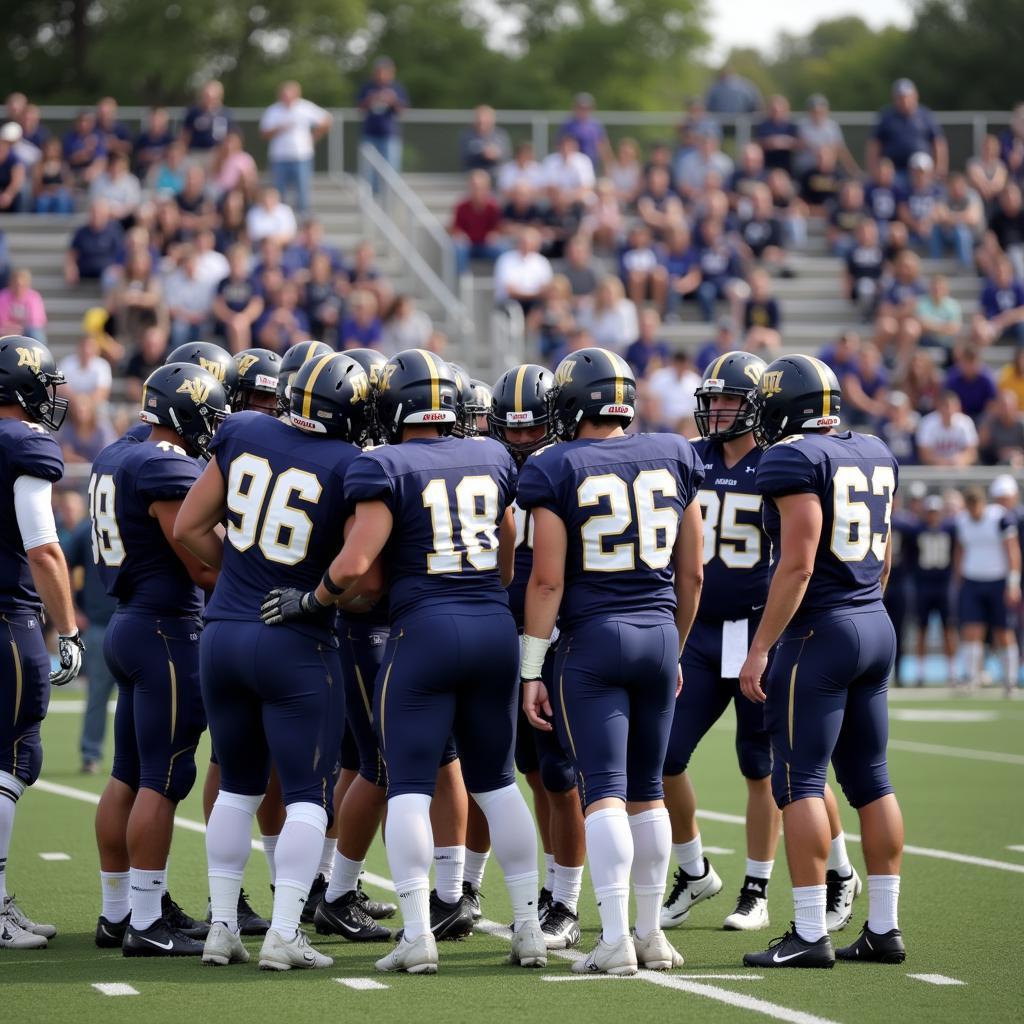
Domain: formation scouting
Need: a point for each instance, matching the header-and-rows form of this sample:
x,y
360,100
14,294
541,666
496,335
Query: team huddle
x,y
383,587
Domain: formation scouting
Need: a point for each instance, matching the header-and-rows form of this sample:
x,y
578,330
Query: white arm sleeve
x,y
34,512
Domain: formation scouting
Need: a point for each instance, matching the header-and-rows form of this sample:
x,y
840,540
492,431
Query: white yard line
x,y
936,979
684,977
967,753
115,988
55,856
361,984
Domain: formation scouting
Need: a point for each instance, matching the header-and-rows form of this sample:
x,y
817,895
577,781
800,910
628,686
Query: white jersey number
x,y
476,507
107,545
737,544
853,533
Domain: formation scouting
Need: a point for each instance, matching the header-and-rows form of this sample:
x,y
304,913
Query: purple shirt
x,y
975,392
996,300
380,120
588,133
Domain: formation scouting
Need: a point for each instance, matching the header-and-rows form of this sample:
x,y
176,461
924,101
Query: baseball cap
x,y
583,99
918,490
920,162
903,86
1004,486
933,503
10,132
725,323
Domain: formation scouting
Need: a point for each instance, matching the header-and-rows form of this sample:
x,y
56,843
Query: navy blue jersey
x,y
931,554
447,497
26,449
135,561
902,529
736,551
286,513
621,500
523,564
855,477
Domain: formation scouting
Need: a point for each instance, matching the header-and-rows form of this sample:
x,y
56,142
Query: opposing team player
x,y
617,559
273,694
437,504
931,543
828,501
34,576
152,649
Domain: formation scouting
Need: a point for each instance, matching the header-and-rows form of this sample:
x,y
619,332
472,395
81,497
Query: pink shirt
x,y
234,168
19,312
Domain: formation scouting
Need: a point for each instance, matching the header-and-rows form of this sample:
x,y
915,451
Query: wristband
x,y
531,656
1013,580
330,586
310,603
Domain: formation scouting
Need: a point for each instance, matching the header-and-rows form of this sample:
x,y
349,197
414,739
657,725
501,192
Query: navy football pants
x,y
24,694
542,751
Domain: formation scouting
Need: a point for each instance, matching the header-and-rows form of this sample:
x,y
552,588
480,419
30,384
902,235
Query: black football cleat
x,y
377,909
159,939
790,950
345,917
176,918
110,934
316,894
544,901
249,922
561,927
473,897
448,921
870,947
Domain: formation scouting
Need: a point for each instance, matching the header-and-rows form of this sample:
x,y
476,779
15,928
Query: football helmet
x,y
212,358
591,383
330,395
465,423
29,378
370,360
736,374
416,387
189,400
479,405
296,357
521,400
795,393
259,370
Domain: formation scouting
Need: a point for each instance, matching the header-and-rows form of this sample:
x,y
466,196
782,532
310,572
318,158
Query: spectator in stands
x,y
843,354
760,232
1007,224
84,152
1001,432
582,271
95,247
167,176
626,172
522,167
197,211
233,168
683,267
476,223
206,123
725,340
1011,376
115,136
298,257
817,131
660,155
762,317
604,221
946,437
940,316
693,169
819,185
920,205
568,173
731,93
591,138
658,206
169,233
898,428
612,320
324,296
136,299
149,355
85,371
789,208
270,218
382,101
405,326
748,174
86,432
237,304
12,171
1011,143
363,273
552,320
152,143
649,351
987,172
720,270
844,217
361,328
293,126
522,274
283,322
972,382
563,219
882,196
520,212
484,146
906,128
119,188
897,328
777,134
1001,314
51,181
959,221
673,387
922,382
231,228
865,263
212,265
642,270
865,388
189,299
21,307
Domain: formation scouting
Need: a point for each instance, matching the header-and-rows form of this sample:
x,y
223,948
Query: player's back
x,y
621,499
26,449
855,477
982,541
286,512
932,554
135,561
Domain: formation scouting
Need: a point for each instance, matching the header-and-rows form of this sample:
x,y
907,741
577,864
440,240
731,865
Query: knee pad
x,y
861,789
239,801
308,814
556,773
30,759
176,781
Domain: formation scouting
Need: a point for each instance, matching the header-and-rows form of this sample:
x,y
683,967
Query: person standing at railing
x,y
904,129
588,132
382,100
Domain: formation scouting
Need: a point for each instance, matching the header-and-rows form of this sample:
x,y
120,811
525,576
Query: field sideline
x,y
958,766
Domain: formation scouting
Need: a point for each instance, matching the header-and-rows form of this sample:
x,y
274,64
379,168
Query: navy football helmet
x,y
295,358
736,374
259,370
479,405
189,400
29,378
465,423
370,360
330,395
520,401
212,358
589,384
415,387
796,393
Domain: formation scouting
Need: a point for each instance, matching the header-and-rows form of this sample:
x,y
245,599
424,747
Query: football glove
x,y
288,605
69,650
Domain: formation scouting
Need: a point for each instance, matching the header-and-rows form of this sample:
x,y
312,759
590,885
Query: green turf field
x,y
961,784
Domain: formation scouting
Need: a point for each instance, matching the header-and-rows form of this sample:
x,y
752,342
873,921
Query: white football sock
x,y
610,852
228,842
568,883
690,856
11,789
974,658
146,892
448,864
409,844
760,869
514,841
838,858
269,846
327,857
809,911
344,876
115,889
1011,666
473,870
652,851
549,872
883,902
297,855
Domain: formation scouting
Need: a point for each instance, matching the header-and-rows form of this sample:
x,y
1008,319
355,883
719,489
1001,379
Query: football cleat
x,y
249,922
416,957
529,946
617,958
316,894
472,897
870,947
281,954
544,901
159,939
13,936
561,927
450,920
176,918
110,934
687,892
378,910
656,953
223,947
751,910
345,917
839,896
790,950
14,913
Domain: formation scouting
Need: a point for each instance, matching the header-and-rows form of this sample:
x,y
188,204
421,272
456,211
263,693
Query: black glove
x,y
290,604
70,650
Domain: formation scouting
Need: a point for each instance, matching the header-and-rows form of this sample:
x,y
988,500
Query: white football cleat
x,y
418,956
687,892
529,946
11,910
281,954
223,947
617,958
840,894
751,911
13,936
656,953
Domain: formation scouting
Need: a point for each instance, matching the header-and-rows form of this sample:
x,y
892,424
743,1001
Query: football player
x,y
480,406
152,649
280,486
259,370
438,504
34,575
291,362
618,560
828,501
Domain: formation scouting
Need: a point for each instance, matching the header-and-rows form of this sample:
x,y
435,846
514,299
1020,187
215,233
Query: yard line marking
x,y
690,977
115,988
361,984
718,849
941,715
936,979
72,707
55,856
1016,849
967,753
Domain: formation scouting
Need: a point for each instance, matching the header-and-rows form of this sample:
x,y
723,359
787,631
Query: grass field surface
x,y
958,767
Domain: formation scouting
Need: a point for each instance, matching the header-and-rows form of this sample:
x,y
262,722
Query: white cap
x,y
1004,486
11,132
920,162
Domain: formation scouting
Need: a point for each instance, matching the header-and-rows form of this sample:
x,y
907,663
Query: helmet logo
x,y
195,389
563,375
375,375
360,387
771,383
386,373
214,368
754,371
31,357
246,363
